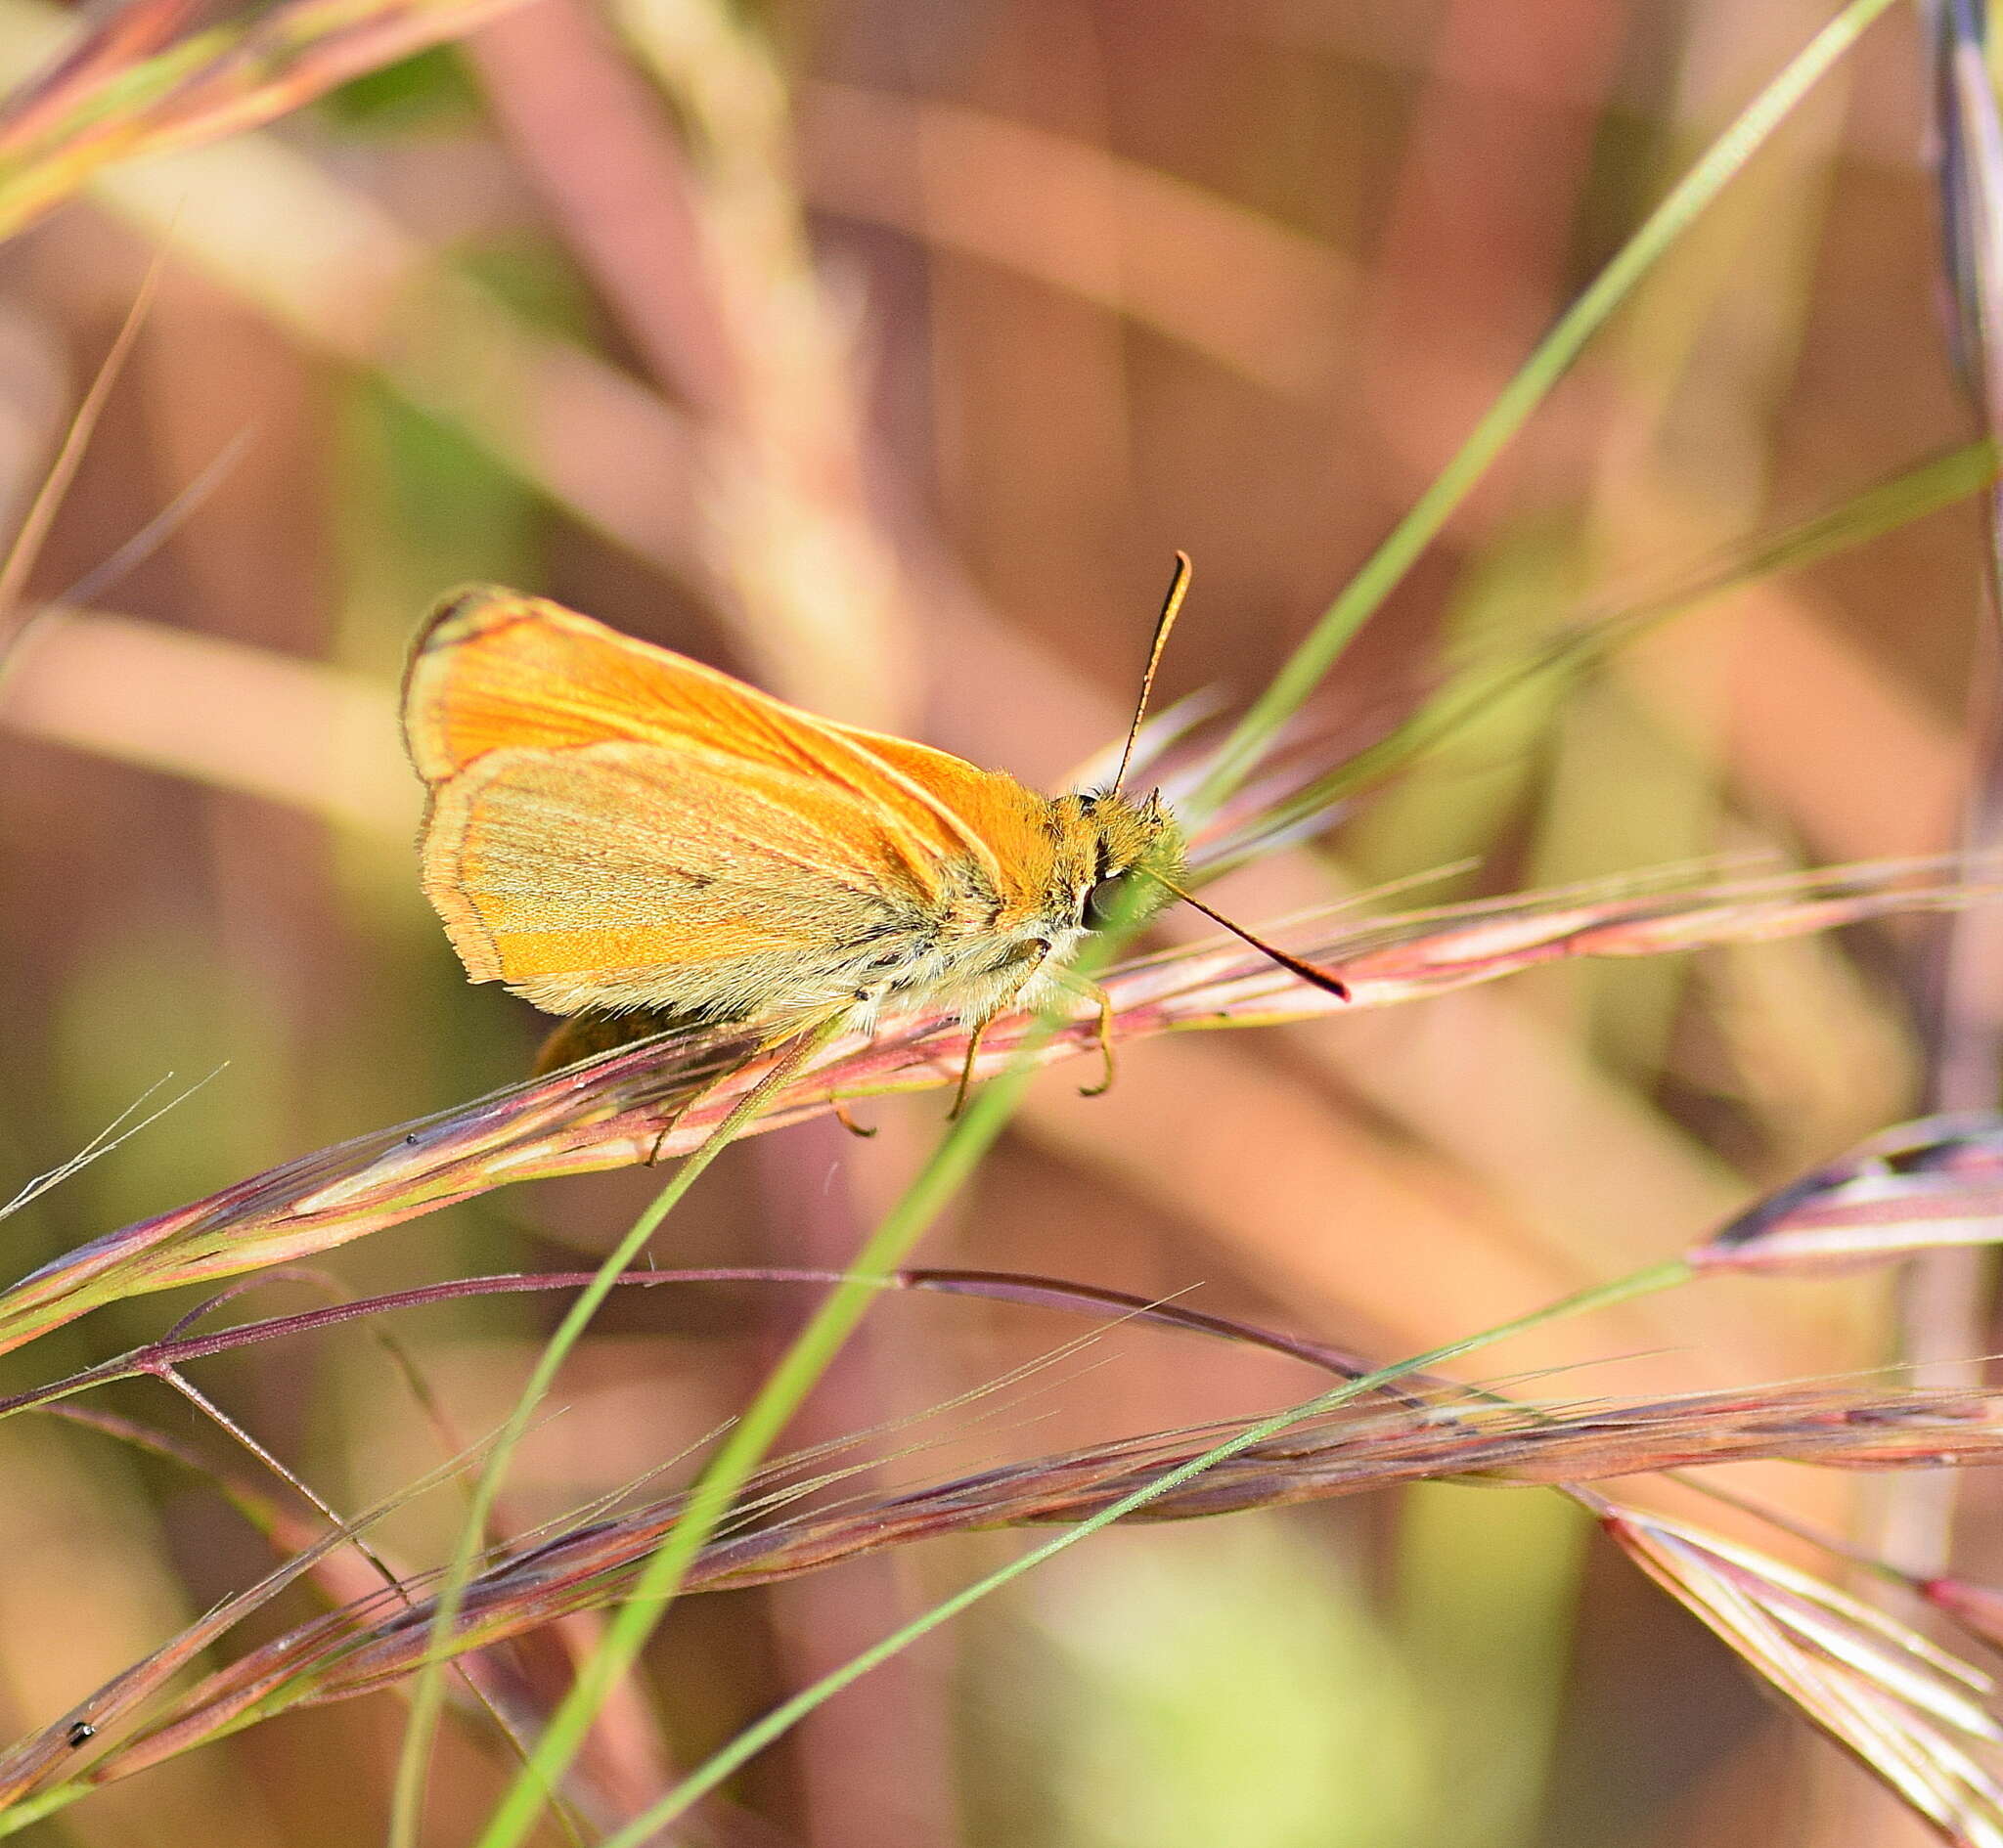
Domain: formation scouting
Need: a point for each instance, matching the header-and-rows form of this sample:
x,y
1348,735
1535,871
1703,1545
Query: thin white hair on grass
x,y
761,1512
990,1410
24,1765
1160,732
1887,1373
1511,1384
519,1548
1413,881
1673,879
120,1130
781,1488
987,1423
1322,909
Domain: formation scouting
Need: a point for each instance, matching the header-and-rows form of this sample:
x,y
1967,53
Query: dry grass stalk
x,y
634,1105
377,1641
128,88
28,1765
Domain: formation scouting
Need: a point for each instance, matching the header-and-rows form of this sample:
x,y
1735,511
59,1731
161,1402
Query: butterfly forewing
x,y
612,826
497,670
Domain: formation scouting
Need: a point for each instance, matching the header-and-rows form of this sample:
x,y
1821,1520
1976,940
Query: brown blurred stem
x,y
597,144
26,547
1944,1295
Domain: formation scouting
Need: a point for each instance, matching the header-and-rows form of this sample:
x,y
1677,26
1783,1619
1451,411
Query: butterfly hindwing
x,y
620,874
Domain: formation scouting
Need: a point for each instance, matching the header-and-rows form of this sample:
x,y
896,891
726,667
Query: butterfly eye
x,y
1102,902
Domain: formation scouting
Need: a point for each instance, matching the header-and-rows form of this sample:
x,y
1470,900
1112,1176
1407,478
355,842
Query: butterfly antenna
x,y
1293,965
1171,604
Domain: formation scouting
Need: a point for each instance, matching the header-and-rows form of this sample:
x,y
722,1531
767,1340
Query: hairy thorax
x,y
988,948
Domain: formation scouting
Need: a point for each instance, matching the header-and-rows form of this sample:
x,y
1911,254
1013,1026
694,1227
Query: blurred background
x,y
881,352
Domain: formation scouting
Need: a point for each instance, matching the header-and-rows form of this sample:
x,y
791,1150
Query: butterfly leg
x,y
694,1097
1078,986
1105,1039
966,1070
1081,985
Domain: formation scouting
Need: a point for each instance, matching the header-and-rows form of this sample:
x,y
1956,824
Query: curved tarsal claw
x,y
841,1116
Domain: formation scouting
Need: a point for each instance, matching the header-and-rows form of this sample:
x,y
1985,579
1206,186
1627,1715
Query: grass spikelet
x,y
1914,1715
129,88
30,1784
1918,1186
1445,1434
626,1108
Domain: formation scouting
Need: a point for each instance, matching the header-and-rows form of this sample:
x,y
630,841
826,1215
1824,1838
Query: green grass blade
x,y
1882,508
1386,567
956,1156
427,1693
754,1739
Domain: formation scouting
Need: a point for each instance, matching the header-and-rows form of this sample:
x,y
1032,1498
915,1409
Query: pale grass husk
x,y
1918,1186
1913,1714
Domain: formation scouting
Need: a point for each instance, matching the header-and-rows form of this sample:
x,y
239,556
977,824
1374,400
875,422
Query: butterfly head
x,y
1136,854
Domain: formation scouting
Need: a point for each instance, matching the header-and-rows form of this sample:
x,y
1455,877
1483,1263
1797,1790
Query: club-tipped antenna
x,y
1293,965
1178,589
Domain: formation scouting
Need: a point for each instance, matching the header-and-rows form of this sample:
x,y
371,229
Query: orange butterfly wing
x,y
614,826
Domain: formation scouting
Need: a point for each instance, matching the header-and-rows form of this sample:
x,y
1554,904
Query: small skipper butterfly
x,y
637,841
